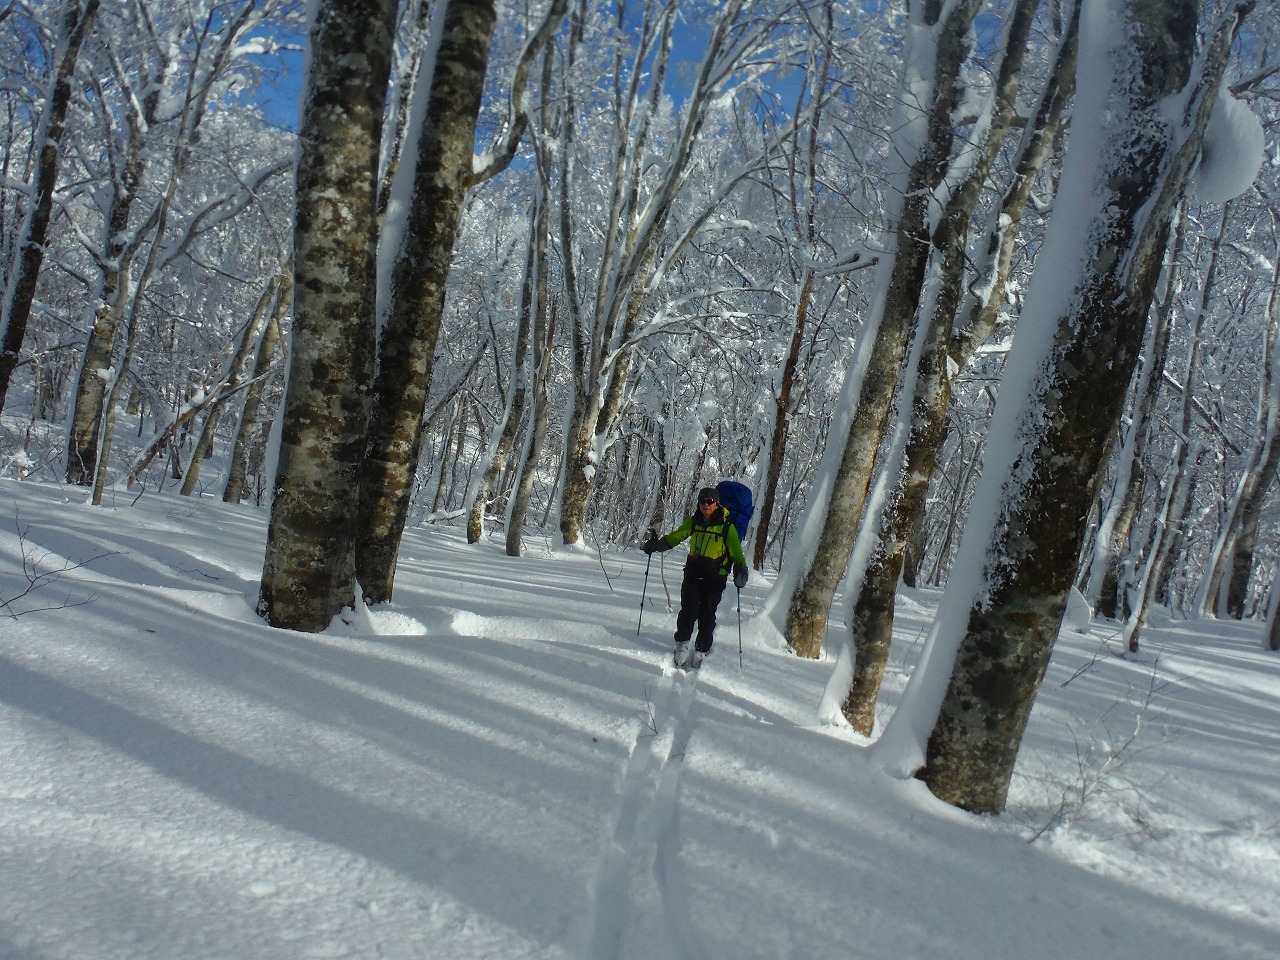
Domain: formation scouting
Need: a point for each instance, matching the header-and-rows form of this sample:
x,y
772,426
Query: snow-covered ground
x,y
498,766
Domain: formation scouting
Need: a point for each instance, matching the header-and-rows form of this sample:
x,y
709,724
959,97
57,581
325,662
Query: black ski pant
x,y
699,596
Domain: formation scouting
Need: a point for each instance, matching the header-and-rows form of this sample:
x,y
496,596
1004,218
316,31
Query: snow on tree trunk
x,y
1118,514
1063,388
1234,553
237,484
948,41
543,310
513,414
232,381
308,575
20,290
871,625
415,301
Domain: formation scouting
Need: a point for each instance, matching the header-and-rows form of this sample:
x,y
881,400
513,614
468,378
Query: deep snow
x,y
498,766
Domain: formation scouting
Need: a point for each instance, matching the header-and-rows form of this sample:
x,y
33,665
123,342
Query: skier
x,y
713,545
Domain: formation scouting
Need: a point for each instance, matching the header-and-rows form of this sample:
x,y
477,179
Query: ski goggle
x,y
708,502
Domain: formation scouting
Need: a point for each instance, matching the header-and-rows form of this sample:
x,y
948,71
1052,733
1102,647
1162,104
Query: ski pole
x,y
739,589
643,592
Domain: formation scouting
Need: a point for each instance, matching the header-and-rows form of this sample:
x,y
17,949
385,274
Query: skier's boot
x,y
683,650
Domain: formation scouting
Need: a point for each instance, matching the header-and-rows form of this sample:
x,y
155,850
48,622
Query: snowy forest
x,y
981,295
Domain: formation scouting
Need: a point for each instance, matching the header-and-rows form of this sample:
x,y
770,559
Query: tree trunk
x,y
1111,558
237,486
309,572
20,290
871,626
522,487
408,340
806,619
231,381
1235,557
1062,394
513,415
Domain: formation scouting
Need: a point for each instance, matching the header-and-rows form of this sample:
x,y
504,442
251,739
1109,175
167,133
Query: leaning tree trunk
x,y
309,572
232,381
1107,569
1236,560
20,290
1063,390
871,627
810,604
513,414
237,484
983,308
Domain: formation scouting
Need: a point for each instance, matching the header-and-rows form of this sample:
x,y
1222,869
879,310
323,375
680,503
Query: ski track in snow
x,y
645,839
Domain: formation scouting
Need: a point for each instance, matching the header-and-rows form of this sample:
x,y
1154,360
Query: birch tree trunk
x,y
1061,398
408,340
309,572
24,273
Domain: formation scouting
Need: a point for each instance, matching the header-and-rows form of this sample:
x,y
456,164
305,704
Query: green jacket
x,y
713,542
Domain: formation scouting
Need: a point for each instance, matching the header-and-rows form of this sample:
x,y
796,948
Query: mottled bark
x,y
806,621
412,326
1067,421
309,572
981,310
20,287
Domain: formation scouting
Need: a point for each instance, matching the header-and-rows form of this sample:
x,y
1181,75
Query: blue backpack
x,y
736,498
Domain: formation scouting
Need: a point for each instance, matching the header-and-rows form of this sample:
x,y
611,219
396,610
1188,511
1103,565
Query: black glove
x,y
655,544
739,575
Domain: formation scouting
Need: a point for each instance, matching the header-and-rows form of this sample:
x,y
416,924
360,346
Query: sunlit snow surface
x,y
497,766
